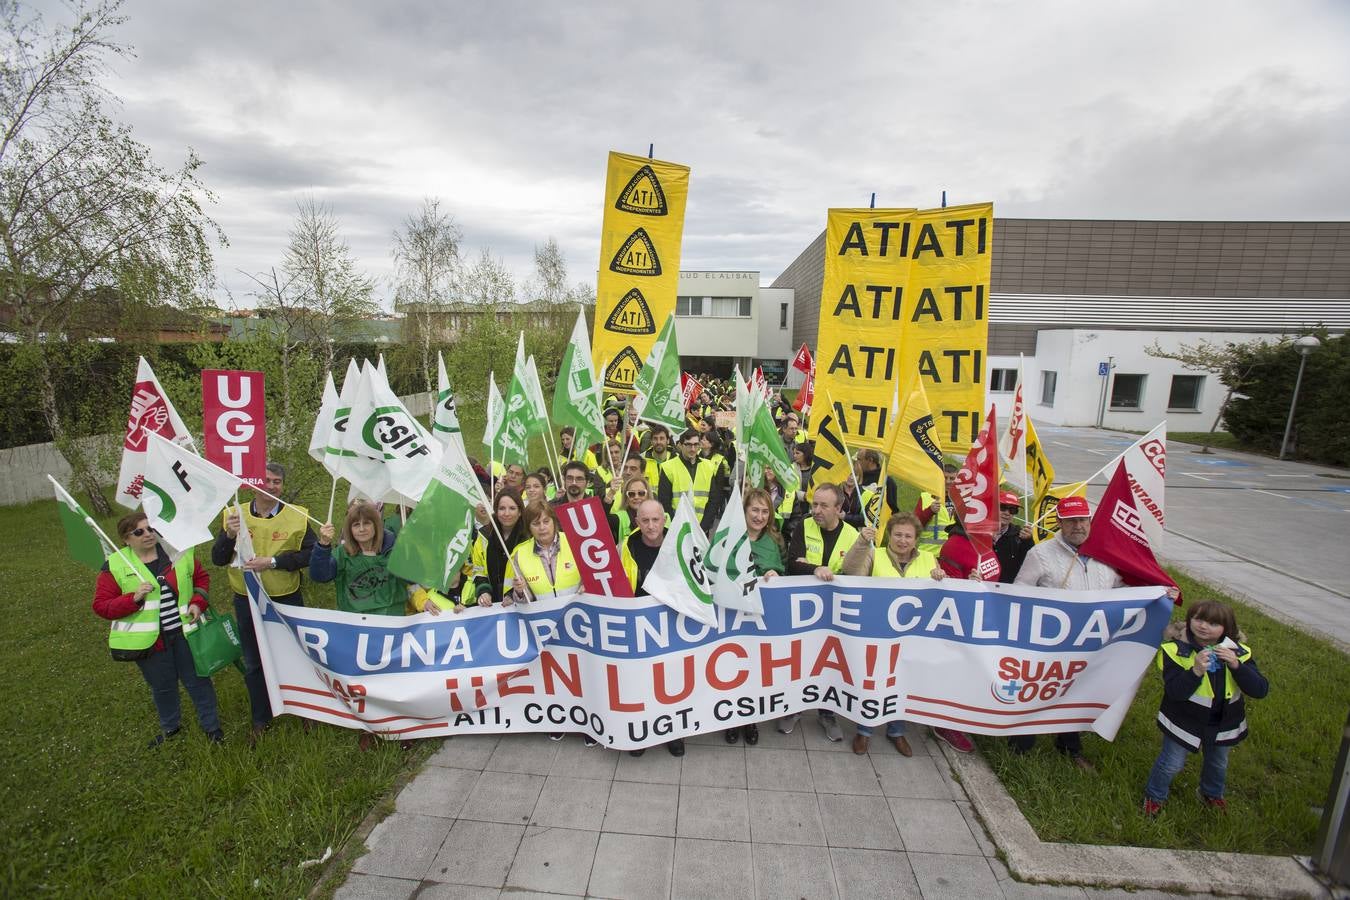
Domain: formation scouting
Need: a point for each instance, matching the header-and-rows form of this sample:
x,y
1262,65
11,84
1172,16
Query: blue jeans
x,y
163,671
260,706
894,729
1172,760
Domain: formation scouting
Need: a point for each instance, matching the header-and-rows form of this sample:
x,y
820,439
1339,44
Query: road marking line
x,y
1271,493
1285,475
1193,475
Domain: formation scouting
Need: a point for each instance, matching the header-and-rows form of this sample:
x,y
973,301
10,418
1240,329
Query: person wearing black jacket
x,y
1207,672
692,470
1012,543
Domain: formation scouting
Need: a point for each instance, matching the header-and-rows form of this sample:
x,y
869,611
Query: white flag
x,y
1012,446
1146,468
445,417
677,578
730,563
496,408
381,428
183,493
323,424
367,477
151,413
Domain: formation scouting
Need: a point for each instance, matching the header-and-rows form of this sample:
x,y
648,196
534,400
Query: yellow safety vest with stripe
x,y
721,462
566,576
140,630
921,566
651,470
815,544
1185,720
700,484
935,532
281,533
586,458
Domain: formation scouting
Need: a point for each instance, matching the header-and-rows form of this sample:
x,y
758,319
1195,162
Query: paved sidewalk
x,y
795,816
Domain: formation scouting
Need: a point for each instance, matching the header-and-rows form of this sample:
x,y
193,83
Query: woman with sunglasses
x,y
623,519
153,603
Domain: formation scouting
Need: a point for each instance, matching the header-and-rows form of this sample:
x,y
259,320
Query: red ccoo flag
x,y
689,388
975,494
1117,537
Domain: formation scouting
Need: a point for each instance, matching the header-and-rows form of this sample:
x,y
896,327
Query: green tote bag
x,y
214,643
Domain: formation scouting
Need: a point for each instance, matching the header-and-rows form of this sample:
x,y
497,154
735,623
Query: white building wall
x,y
775,335
716,336
1074,355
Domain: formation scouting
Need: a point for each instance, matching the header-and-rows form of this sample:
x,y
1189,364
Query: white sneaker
x,y
787,723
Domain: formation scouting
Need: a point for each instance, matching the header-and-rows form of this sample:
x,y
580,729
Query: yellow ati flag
x,y
905,296
639,263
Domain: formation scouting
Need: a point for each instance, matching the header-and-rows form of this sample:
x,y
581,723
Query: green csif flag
x,y
659,398
83,540
435,541
576,397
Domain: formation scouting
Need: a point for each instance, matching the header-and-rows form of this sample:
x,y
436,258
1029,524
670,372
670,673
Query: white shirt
x,y
1054,564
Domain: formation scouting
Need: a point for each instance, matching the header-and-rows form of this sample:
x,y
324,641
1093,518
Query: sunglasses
x,y
142,532
632,494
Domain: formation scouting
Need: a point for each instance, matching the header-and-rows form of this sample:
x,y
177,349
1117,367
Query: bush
x,y
1257,419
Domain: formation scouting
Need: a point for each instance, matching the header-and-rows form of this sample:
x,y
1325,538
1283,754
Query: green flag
x,y
659,398
83,540
764,449
513,429
576,398
445,418
436,539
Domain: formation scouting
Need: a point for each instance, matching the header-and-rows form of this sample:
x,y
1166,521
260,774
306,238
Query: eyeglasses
x,y
142,532
633,494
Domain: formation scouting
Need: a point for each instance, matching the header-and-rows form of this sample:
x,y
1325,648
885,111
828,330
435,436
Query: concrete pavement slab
x,y
632,867
554,860
502,797
843,773
636,808
435,891
438,791
572,803
943,876
783,817
714,813
787,871
853,822
868,874
403,846
466,751
778,770
478,853
713,870
917,776
375,887
714,766
575,760
531,756
932,826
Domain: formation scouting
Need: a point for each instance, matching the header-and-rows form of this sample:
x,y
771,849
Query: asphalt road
x,y
1271,531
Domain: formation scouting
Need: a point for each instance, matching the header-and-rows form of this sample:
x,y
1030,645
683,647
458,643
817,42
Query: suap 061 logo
x,y
1026,680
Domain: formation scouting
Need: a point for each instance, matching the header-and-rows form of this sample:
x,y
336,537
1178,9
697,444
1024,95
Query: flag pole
x,y
332,495
89,520
1021,391
852,471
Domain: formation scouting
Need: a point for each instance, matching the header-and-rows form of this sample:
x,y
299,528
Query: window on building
x,y
782,315
1185,393
1003,380
1127,391
691,306
1048,380
730,307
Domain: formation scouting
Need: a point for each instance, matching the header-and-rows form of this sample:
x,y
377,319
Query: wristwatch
x,y
274,561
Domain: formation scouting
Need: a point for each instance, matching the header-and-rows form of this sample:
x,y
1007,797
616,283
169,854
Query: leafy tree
x,y
1257,418
488,282
83,206
1231,362
426,257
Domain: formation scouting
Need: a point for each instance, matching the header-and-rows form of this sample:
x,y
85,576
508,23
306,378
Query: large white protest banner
x,y
985,658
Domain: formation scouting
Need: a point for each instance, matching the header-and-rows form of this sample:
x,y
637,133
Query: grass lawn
x,y
1277,778
1218,440
89,811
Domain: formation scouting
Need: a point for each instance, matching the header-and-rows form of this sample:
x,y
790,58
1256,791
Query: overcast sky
x,y
506,110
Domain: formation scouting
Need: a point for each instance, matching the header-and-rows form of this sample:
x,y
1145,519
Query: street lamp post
x,y
1305,346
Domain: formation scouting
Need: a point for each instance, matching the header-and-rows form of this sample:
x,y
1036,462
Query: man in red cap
x,y
1012,543
1056,563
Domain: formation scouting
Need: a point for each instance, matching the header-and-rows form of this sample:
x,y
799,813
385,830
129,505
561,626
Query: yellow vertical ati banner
x,y
639,263
905,294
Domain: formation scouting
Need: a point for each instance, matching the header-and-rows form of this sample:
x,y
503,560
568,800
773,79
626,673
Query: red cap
x,y
1008,498
1073,508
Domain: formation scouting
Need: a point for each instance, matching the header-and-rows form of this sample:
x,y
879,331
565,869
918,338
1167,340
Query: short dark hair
x,y
277,469
127,524
834,489
690,433
573,464
567,430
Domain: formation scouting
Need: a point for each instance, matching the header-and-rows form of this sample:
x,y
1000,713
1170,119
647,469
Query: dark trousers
x,y
260,707
1070,742
164,670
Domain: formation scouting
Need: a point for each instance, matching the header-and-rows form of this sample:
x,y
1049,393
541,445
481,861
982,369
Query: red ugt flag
x,y
975,494
1117,537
